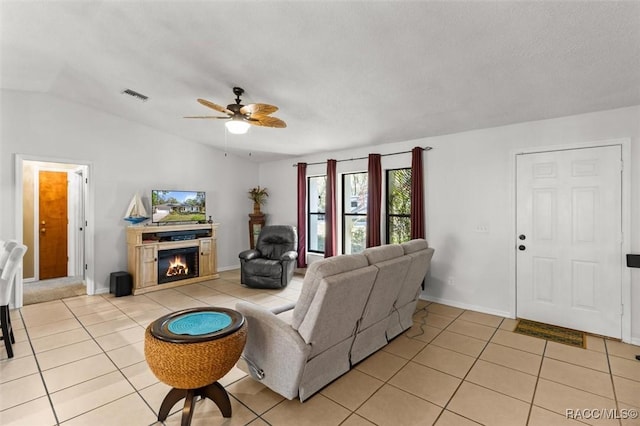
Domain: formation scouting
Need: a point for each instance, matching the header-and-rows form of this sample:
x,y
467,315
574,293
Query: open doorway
x,y
51,217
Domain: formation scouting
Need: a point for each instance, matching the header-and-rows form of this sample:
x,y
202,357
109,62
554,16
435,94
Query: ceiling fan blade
x,y
266,121
215,106
261,109
208,116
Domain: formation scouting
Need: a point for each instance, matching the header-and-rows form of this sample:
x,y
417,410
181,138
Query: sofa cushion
x,y
414,245
316,272
391,275
382,253
420,262
336,309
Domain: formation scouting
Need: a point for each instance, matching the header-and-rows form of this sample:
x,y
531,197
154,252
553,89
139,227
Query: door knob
x,y
43,222
522,237
43,230
521,247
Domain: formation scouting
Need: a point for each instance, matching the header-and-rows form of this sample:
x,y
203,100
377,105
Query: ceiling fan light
x,y
237,127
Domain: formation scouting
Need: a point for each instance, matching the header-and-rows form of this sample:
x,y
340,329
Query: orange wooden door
x,y
53,222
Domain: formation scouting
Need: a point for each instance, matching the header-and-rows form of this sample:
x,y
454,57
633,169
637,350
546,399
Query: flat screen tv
x,y
177,206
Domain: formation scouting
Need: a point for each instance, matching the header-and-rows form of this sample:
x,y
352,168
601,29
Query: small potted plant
x,y
259,197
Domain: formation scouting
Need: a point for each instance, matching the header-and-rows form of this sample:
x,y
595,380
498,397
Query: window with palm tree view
x,y
354,208
316,190
398,205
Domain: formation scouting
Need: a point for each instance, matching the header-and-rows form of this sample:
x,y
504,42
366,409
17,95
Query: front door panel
x,y
53,222
569,238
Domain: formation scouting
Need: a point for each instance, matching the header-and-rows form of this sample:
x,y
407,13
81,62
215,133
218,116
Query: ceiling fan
x,y
242,116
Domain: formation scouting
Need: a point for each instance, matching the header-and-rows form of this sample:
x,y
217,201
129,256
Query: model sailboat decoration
x,y
136,212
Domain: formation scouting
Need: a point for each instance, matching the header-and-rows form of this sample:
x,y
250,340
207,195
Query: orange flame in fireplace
x,y
177,267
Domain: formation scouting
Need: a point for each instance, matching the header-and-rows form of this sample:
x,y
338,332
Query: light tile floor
x,y
80,361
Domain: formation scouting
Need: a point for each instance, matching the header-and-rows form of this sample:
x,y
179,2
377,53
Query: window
x,y
316,190
354,212
398,205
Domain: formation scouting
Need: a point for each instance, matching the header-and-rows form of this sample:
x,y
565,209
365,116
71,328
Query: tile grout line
x,y
386,382
613,385
91,337
126,378
352,412
137,391
259,416
467,374
535,388
110,359
545,355
422,324
46,389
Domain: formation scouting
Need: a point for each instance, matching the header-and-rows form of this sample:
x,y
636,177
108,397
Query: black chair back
x,y
275,240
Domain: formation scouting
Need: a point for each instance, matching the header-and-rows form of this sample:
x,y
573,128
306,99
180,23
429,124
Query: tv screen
x,y
177,206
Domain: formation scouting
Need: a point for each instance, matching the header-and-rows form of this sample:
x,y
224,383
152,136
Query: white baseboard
x,y
470,307
455,304
229,268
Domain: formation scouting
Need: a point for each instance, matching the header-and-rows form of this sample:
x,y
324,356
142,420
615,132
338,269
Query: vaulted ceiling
x,y
343,73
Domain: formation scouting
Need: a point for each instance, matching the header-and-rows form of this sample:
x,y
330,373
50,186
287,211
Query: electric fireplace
x,y
177,264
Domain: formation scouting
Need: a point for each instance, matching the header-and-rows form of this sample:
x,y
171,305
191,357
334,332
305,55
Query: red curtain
x,y
302,215
417,194
374,200
330,212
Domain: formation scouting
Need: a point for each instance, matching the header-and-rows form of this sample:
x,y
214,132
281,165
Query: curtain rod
x,y
426,148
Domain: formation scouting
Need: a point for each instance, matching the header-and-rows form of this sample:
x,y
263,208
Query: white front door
x,y
569,236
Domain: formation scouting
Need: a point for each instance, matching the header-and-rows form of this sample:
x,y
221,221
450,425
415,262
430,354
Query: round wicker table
x,y
190,350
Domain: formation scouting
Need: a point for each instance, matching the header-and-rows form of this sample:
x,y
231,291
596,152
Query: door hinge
x,y
86,180
86,267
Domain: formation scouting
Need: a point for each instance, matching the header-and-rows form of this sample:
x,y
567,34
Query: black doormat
x,y
552,332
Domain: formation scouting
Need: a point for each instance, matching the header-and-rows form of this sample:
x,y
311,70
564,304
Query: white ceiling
x,y
344,74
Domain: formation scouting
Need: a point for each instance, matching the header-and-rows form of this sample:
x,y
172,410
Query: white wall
x,y
467,177
468,184
126,158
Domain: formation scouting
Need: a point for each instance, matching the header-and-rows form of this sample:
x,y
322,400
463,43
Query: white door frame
x,y
625,289
89,217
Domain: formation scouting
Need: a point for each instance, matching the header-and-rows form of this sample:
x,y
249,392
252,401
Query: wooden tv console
x,y
144,243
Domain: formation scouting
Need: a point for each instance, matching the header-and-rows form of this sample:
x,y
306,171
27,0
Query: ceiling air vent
x,y
135,94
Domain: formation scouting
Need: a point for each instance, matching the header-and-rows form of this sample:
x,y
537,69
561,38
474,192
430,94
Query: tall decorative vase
x,y
256,208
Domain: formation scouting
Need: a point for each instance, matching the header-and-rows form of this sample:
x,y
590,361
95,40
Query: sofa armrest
x,y
289,255
280,309
273,348
249,254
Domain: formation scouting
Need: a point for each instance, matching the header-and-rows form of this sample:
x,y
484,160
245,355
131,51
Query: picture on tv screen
x,y
177,206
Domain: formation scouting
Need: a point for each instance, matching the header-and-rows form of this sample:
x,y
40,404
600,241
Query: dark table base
x,y
214,392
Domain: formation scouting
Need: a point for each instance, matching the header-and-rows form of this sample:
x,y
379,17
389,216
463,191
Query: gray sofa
x,y
349,307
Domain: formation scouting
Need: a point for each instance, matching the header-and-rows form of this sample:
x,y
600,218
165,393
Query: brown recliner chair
x,y
272,262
